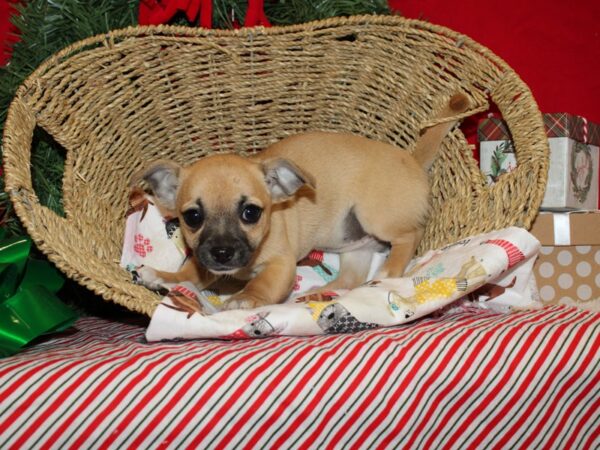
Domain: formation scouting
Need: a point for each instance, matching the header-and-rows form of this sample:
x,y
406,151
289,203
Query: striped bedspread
x,y
465,379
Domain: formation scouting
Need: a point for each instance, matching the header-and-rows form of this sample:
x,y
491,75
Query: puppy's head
x,y
224,203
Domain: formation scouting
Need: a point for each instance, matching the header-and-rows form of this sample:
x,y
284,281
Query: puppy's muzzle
x,y
224,255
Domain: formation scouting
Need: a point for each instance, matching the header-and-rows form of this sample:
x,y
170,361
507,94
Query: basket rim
x,y
180,31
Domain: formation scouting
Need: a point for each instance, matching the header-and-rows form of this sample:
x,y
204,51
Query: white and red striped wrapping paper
x,y
468,378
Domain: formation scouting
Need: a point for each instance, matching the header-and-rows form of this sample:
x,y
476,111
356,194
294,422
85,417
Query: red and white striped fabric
x,y
465,379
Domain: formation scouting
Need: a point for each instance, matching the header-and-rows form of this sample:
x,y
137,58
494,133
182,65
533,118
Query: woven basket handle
x,y
19,127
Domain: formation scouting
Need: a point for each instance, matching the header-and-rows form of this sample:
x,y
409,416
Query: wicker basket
x,y
117,101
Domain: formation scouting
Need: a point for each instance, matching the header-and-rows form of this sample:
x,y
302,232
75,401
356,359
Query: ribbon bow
x,y
28,306
155,12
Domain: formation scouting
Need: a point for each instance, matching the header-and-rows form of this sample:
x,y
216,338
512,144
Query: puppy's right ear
x,y
163,179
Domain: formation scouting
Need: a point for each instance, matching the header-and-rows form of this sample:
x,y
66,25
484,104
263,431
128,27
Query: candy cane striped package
x,y
468,378
495,269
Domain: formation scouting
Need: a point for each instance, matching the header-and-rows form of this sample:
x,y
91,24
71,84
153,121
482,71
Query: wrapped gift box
x,y
568,267
574,153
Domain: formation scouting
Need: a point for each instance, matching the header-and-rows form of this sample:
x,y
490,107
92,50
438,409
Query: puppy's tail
x,y
431,137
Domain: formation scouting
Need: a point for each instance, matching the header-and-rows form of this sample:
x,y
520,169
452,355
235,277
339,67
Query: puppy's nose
x,y
222,254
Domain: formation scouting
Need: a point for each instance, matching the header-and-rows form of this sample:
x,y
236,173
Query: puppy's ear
x,y
284,178
163,179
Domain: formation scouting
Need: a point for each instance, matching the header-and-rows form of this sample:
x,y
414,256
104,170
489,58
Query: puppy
x,y
254,217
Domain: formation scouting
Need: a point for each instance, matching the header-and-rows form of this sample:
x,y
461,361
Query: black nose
x,y
222,254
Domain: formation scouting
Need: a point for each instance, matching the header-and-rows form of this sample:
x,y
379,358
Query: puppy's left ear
x,y
284,178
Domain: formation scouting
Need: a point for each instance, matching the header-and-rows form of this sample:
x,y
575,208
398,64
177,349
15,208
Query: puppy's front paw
x,y
147,276
242,301
382,273
386,272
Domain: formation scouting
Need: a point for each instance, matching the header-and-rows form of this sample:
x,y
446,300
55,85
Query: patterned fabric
x,y
150,238
466,379
493,268
515,255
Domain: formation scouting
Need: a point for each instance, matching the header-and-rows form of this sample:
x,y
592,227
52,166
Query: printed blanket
x,y
494,270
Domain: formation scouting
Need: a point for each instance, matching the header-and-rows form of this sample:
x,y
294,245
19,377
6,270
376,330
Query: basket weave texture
x,y
120,100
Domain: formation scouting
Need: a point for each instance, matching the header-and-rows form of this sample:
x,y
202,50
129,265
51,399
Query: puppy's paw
x,y
382,273
242,301
389,272
147,277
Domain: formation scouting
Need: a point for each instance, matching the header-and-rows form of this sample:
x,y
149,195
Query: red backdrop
x,y
7,31
553,45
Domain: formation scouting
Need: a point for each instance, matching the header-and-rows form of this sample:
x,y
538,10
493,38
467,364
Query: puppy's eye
x,y
251,213
193,218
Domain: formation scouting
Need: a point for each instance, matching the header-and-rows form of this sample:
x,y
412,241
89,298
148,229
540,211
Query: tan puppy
x,y
255,217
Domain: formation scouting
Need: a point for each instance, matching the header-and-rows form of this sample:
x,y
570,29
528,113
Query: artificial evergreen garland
x,y
46,26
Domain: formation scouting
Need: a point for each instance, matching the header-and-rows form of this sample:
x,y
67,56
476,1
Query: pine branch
x,y
287,12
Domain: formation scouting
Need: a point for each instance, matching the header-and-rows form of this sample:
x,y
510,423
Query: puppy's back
x,y
353,175
348,168
345,159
